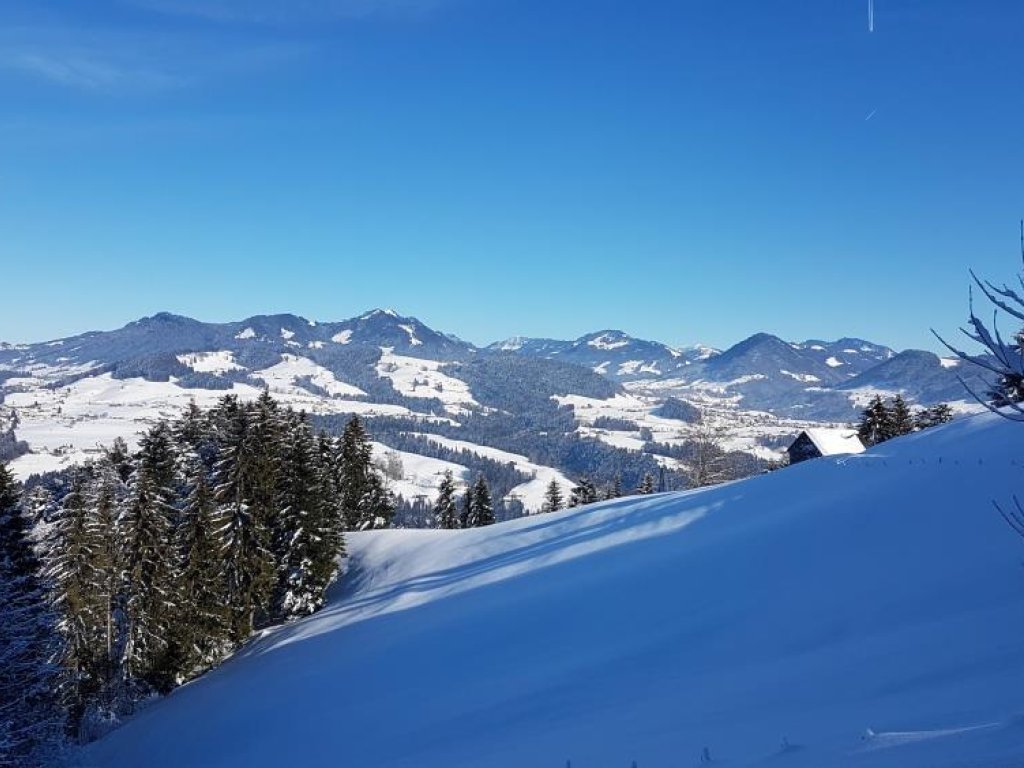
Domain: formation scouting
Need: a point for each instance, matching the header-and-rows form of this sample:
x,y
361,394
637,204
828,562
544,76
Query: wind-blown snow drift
x,y
874,592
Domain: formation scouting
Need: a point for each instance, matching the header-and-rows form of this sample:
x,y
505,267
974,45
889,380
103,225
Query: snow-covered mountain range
x,y
523,397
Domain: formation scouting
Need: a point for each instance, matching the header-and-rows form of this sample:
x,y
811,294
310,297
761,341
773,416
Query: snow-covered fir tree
x,y
481,508
119,457
937,414
329,478
466,507
249,568
31,719
582,493
302,539
39,505
901,420
366,502
200,635
105,501
194,434
355,466
875,423
77,598
553,497
147,559
446,513
614,489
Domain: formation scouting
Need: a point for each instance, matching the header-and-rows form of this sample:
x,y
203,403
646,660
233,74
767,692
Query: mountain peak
x,y
378,312
607,340
162,318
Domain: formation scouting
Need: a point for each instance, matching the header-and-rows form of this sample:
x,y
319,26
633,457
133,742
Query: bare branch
x,y
991,296
978,361
1018,414
1004,360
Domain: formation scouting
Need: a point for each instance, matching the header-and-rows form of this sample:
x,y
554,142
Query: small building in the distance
x,y
813,443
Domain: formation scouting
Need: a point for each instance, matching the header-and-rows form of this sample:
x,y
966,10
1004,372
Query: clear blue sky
x,y
687,170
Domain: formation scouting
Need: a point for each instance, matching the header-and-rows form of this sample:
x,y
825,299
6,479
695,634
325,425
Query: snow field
x,y
414,377
67,425
530,493
864,611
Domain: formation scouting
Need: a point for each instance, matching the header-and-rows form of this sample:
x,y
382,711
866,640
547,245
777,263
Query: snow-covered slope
x,y
865,611
66,425
530,493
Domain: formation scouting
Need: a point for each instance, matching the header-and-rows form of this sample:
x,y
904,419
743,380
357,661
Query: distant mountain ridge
x,y
811,379
604,405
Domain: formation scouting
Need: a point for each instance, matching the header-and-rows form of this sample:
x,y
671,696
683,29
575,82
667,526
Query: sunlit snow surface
x,y
415,377
864,611
531,493
210,362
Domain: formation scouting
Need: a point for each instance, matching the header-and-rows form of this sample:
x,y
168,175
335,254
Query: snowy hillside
x,y
864,611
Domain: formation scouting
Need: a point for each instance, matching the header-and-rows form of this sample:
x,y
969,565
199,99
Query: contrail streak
x,y
871,15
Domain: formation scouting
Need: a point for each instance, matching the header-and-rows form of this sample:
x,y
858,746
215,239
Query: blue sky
x,y
687,170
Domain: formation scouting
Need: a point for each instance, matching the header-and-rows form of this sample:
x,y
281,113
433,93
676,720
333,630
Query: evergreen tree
x,y
481,509
553,497
193,434
249,568
76,598
31,720
614,491
39,505
875,423
148,559
306,561
263,454
466,514
366,502
583,493
354,460
377,507
119,457
200,634
327,469
104,502
901,419
940,413
446,513
646,486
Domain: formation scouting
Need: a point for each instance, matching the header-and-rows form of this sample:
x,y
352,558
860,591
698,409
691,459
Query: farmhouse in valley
x,y
813,443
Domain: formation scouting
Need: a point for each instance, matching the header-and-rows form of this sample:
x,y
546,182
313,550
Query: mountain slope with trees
x,y
791,617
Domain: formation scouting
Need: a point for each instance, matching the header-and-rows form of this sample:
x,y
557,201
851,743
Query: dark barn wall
x,y
802,449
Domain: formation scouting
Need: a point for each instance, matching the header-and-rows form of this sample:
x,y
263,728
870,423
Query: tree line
x,y
883,420
474,509
157,563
